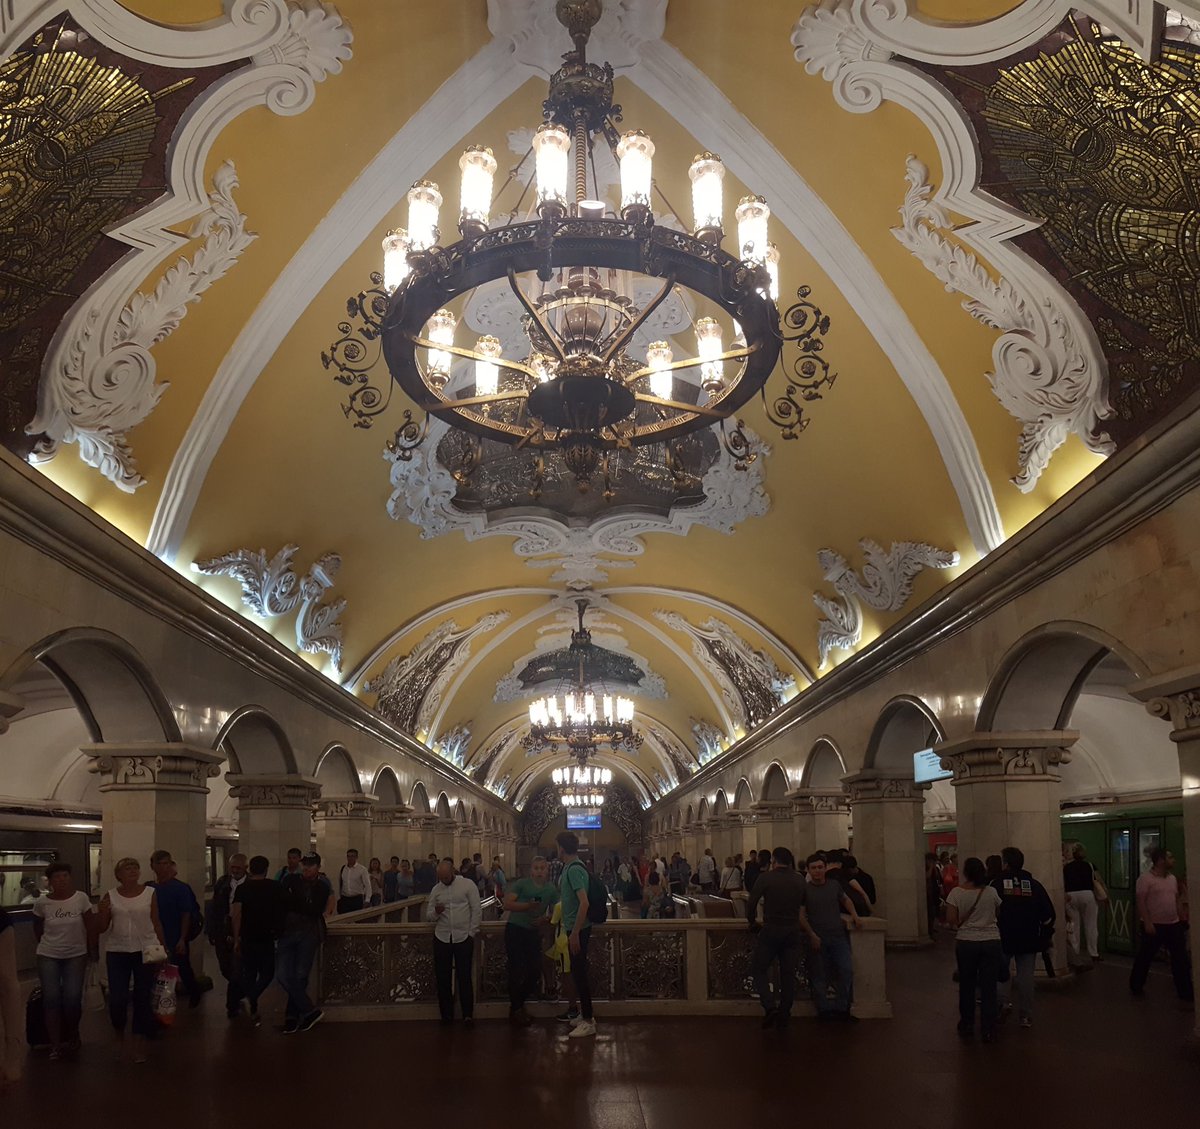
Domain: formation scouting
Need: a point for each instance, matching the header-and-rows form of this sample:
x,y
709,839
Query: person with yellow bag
x,y
558,955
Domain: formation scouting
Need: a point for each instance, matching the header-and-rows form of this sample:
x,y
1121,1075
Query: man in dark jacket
x,y
1026,921
219,927
425,876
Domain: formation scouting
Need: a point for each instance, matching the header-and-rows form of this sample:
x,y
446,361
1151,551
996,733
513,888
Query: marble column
x,y
421,837
443,839
274,814
888,814
1006,794
721,828
773,827
343,822
820,820
389,831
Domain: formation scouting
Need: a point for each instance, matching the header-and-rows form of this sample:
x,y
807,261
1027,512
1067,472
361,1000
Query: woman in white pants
x,y
1082,907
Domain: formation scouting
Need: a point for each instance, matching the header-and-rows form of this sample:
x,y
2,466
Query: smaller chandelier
x,y
574,799
585,776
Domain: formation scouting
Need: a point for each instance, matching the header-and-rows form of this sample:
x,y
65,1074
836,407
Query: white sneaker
x,y
575,1021
583,1028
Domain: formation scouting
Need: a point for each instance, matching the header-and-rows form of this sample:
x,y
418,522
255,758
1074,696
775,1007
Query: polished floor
x,y
1095,1057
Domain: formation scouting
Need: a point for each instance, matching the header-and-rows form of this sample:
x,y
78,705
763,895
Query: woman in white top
x,y
971,909
64,925
731,878
131,911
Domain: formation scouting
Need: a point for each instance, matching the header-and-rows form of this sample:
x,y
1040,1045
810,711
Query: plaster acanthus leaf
x,y
1042,376
886,585
104,384
452,745
710,741
317,42
318,626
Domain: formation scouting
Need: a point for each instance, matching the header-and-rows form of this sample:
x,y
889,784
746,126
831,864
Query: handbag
x,y
153,953
1099,889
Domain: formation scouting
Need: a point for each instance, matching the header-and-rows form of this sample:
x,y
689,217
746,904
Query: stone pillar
x,y
820,821
443,838
389,831
1006,794
698,839
153,798
343,822
1175,697
772,827
721,828
888,814
274,814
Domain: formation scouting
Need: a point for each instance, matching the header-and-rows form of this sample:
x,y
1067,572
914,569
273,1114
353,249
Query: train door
x,y
1130,842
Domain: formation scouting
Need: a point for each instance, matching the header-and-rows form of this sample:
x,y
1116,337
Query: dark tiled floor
x,y
1095,1057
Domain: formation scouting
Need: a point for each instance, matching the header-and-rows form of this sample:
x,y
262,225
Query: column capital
x,y
875,786
355,806
818,801
1174,697
10,705
168,766
390,815
772,809
1028,755
279,790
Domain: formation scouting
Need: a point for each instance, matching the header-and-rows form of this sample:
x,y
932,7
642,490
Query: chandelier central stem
x,y
581,151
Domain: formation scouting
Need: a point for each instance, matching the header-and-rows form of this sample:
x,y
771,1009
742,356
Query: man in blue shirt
x,y
573,893
177,910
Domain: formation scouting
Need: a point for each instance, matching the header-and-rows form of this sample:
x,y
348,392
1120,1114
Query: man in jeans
x,y
255,918
177,911
781,890
1158,911
220,931
573,892
1026,919
822,903
307,902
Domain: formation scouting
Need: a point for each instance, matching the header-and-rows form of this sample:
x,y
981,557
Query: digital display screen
x,y
583,821
927,765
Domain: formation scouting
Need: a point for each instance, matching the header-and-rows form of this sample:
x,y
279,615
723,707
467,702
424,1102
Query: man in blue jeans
x,y
822,904
308,900
178,912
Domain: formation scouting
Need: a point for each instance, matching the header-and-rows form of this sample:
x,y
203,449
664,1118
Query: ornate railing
x,y
696,966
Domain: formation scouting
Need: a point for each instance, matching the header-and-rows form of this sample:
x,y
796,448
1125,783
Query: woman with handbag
x,y
1085,894
135,949
971,909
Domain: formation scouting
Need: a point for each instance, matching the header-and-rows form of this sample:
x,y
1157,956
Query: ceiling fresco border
x,y
487,79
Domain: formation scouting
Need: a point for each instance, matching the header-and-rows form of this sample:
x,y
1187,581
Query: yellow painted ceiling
x,y
291,469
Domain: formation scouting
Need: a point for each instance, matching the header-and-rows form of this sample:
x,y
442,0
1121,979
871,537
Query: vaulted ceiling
x,y
906,469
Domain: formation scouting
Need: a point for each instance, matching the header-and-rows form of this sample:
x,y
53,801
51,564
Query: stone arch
x,y
824,767
720,803
336,772
386,786
474,816
690,817
460,812
255,744
108,682
1037,682
775,782
442,808
419,801
906,725
743,797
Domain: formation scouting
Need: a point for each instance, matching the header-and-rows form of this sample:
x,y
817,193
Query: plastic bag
x,y
163,998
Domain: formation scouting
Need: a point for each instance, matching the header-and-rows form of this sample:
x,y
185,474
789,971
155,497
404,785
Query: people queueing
x,y
1158,910
308,901
679,874
375,877
354,884
822,904
573,890
1026,921
219,927
1083,908
454,908
135,948
256,920
404,881
179,913
529,902
971,908
391,880
425,875
292,867
706,871
65,927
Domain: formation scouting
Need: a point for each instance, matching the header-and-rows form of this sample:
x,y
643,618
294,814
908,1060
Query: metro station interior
x,y
427,428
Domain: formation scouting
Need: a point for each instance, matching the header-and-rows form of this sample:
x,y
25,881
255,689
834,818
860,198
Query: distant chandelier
x,y
577,389
572,798
582,786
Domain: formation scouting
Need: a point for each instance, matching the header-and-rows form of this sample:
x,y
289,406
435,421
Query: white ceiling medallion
x,y
885,584
272,588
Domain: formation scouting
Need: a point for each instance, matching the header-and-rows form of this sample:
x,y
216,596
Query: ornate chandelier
x,y
582,786
583,387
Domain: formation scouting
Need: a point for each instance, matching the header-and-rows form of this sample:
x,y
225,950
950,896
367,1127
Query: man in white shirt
x,y
354,884
706,871
453,907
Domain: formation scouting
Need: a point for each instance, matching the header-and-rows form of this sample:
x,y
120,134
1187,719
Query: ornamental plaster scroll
x,y
452,745
481,766
271,587
1050,370
99,375
886,584
682,760
710,741
1043,376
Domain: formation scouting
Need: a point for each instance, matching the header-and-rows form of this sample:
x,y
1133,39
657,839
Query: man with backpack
x,y
180,918
584,904
1026,919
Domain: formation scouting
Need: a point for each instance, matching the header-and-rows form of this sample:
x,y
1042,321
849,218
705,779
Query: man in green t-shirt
x,y
573,890
528,901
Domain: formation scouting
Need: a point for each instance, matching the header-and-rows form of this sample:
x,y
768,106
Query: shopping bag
x,y
163,999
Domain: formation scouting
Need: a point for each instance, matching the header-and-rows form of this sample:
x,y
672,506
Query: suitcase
x,y
37,1035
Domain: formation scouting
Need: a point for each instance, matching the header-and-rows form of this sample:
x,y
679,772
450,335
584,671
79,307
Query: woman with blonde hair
x,y
130,910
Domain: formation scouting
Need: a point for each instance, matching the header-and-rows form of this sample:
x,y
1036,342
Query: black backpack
x,y
597,896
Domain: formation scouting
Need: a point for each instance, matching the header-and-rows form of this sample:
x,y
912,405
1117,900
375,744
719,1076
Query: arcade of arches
x,y
228,616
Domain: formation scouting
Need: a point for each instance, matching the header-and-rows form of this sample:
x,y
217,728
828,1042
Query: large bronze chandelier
x,y
584,387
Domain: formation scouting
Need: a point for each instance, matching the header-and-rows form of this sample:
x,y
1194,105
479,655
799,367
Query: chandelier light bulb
x,y
773,271
424,204
752,215
440,330
487,372
635,151
708,341
395,258
708,175
625,710
478,168
551,152
541,365
658,357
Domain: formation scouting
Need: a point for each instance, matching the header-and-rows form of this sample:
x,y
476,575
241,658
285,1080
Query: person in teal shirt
x,y
573,889
529,902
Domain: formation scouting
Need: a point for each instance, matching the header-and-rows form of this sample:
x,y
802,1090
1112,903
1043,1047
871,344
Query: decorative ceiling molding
x,y
1048,348
710,741
98,377
886,585
480,768
452,745
272,588
682,760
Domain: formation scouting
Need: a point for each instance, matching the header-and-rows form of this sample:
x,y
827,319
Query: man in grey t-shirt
x,y
822,904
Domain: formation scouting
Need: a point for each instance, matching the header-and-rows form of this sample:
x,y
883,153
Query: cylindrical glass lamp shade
x,y
551,155
440,329
708,342
478,168
424,203
625,710
395,258
708,175
635,151
658,357
487,372
752,215
773,271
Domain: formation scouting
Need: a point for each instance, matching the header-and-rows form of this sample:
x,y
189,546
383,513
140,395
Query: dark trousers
x,y
524,950
456,956
1175,938
978,968
832,964
227,960
123,967
187,974
349,905
294,958
258,969
776,944
579,973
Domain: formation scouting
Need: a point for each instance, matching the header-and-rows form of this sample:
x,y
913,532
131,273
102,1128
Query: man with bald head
x,y
454,909
220,931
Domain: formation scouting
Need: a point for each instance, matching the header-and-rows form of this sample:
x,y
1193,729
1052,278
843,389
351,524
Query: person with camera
x,y
529,902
